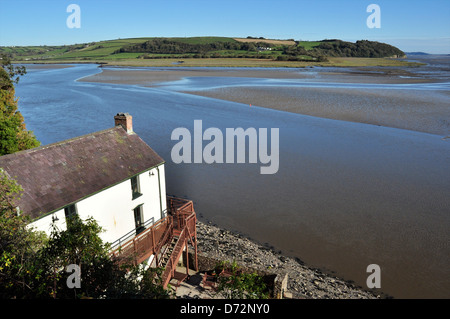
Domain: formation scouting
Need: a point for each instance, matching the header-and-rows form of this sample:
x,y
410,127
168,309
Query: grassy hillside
x,y
85,51
252,51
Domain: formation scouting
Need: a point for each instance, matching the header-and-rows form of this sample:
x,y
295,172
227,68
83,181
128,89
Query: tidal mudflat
x,y
392,97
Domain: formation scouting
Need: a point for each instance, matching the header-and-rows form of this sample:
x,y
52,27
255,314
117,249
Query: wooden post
x,y
195,247
187,257
134,250
153,247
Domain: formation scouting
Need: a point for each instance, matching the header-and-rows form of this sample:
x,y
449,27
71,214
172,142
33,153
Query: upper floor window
x,y
135,188
70,212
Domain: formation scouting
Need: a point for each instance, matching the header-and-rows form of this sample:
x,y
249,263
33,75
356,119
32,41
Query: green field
x,y
308,45
87,51
133,51
200,40
103,50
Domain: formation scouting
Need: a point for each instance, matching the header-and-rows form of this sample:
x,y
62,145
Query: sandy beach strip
x,y
402,109
152,77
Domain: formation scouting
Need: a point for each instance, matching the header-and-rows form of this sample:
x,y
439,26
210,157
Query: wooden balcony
x,y
166,239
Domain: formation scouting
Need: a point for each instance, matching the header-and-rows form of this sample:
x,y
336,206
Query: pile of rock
x,y
303,282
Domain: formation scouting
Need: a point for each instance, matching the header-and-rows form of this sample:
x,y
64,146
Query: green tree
x,y
101,277
14,136
18,244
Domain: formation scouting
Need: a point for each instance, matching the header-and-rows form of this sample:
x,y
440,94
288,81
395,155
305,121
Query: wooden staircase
x,y
166,240
175,249
184,230
168,252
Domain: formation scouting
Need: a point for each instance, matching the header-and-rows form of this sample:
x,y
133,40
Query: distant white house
x,y
111,175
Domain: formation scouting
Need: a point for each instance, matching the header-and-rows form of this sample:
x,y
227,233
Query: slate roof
x,y
56,175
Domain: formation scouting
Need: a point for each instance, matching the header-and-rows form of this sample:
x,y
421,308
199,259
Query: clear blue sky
x,y
411,25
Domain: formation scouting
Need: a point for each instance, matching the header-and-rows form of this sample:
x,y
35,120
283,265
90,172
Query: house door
x,y
139,219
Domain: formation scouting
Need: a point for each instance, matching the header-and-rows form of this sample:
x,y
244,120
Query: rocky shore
x,y
303,282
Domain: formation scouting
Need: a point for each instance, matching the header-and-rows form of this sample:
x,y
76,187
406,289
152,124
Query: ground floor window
x,y
139,218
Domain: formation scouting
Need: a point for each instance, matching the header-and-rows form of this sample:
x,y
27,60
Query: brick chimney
x,y
125,120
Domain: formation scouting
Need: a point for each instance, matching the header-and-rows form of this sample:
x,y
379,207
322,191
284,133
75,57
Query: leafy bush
x,y
237,284
243,286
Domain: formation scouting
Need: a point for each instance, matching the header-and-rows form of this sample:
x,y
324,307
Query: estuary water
x,y
346,194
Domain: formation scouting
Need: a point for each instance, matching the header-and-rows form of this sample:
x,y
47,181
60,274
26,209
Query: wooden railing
x,y
183,212
169,271
145,244
185,221
180,221
131,234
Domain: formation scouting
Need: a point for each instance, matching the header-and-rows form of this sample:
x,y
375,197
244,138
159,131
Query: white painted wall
x,y
113,207
45,223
